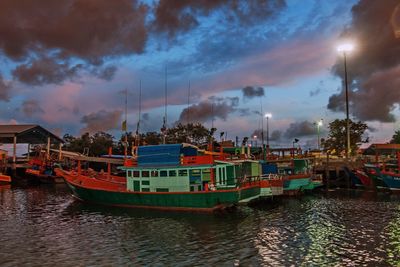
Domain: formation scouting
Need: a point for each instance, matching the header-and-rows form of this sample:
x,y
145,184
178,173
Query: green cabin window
x,y
154,173
145,189
145,182
163,173
136,186
183,172
136,173
172,173
145,174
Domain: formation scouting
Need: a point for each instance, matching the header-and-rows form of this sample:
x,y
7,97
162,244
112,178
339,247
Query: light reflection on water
x,y
44,226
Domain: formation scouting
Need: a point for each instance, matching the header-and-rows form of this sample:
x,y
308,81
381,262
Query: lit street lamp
x,y
345,48
319,124
268,115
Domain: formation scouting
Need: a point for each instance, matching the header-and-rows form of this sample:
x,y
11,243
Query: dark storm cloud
x,y
374,66
45,71
180,16
102,121
106,73
145,116
207,110
4,90
297,129
250,92
31,108
88,30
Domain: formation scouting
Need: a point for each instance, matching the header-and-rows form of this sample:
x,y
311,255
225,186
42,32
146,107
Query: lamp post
x,y
345,48
268,115
319,124
255,140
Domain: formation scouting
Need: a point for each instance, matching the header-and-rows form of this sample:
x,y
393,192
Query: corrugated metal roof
x,y
27,133
16,129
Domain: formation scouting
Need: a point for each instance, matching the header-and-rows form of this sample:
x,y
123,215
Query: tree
x,y
97,144
396,138
194,133
336,140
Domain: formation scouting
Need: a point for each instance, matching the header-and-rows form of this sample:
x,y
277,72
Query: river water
x,y
44,226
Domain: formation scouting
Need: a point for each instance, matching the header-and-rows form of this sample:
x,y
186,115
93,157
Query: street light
x,y
345,48
319,124
255,140
268,115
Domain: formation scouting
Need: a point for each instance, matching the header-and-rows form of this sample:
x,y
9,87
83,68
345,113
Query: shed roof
x,y
382,149
27,133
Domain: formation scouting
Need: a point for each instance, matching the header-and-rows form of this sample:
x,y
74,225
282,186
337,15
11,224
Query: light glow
x,y
268,115
345,47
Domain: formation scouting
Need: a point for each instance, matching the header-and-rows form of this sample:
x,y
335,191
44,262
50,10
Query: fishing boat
x,y
172,177
41,170
298,177
271,182
355,180
374,173
4,178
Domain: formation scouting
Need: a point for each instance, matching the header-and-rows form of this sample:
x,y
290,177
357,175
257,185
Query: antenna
x,y
188,115
188,104
164,127
166,96
126,124
262,129
140,111
212,113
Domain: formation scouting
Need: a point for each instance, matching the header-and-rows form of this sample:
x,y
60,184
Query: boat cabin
x,y
182,178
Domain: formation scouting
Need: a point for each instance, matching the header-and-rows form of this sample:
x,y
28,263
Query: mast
x,y
140,114
262,131
126,123
187,116
164,128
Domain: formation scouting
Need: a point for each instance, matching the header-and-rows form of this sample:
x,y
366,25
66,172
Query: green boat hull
x,y
207,200
296,184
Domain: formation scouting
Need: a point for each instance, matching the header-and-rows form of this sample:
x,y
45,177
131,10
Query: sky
x,y
68,64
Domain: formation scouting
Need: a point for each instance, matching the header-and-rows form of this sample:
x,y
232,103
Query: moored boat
x,y
168,177
3,167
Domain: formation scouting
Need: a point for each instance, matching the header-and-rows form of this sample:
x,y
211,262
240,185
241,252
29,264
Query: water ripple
x,y
336,230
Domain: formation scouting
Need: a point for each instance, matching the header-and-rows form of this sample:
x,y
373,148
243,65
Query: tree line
x,y
196,134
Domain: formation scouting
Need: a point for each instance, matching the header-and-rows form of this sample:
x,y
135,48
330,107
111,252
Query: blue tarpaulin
x,y
269,168
163,155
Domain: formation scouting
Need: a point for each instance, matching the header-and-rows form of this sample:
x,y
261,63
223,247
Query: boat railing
x,y
248,181
271,176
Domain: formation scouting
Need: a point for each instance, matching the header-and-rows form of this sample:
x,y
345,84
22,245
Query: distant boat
x,y
391,179
172,177
298,177
41,169
3,167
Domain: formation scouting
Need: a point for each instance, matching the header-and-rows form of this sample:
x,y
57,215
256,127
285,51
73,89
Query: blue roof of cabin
x,y
163,155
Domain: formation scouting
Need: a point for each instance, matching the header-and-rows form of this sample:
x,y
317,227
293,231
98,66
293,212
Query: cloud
x,y
209,109
145,116
101,121
298,129
373,67
44,34
180,16
5,89
45,70
31,107
250,92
